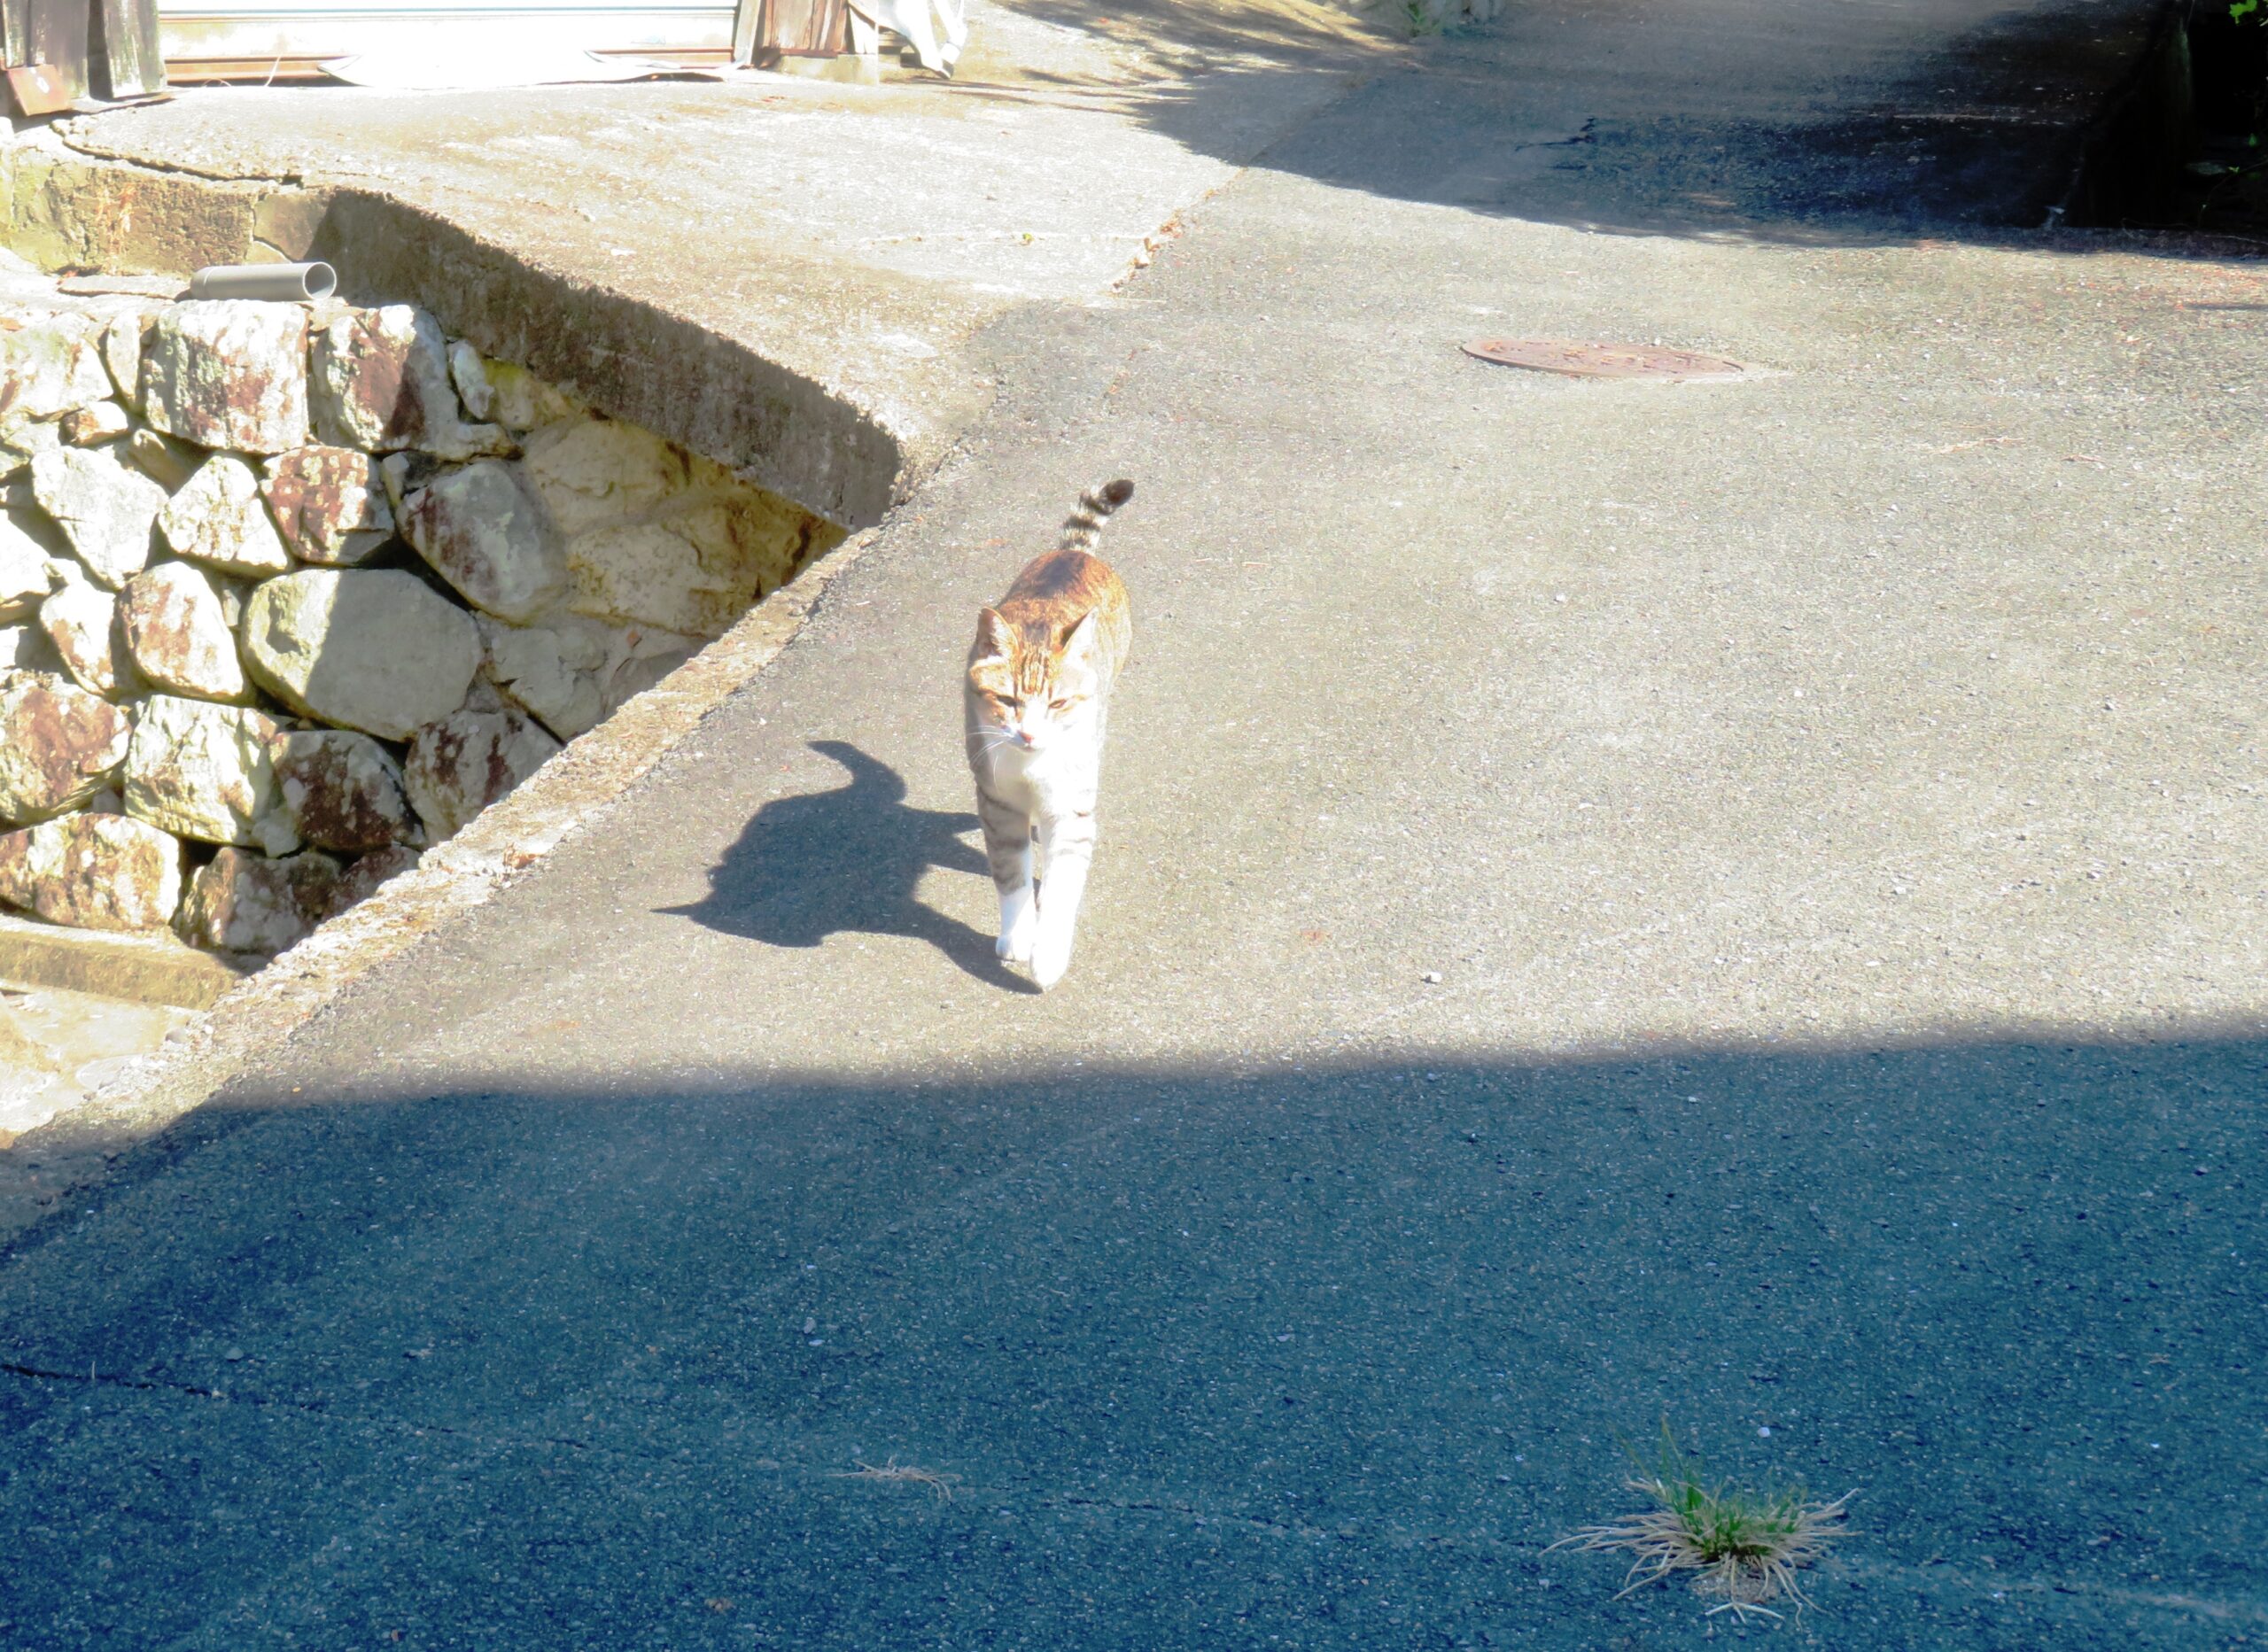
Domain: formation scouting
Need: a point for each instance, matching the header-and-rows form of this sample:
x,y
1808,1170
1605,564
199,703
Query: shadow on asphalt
x,y
848,860
1326,1354
1977,140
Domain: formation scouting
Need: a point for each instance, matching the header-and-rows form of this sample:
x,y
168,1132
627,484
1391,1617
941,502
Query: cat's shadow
x,y
850,859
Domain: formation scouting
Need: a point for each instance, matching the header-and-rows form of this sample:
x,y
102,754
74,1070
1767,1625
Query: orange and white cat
x,y
1035,703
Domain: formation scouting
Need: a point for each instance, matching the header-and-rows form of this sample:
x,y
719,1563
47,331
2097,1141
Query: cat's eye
x,y
1059,705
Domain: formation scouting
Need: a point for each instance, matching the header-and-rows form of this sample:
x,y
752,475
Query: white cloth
x,y
909,19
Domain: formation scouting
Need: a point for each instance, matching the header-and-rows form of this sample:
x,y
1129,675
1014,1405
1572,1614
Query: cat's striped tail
x,y
1084,526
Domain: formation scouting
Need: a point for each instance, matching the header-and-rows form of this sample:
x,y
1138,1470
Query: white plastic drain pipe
x,y
264,280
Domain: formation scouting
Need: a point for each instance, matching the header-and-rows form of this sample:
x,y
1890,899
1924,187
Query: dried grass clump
x,y
1742,1548
941,1486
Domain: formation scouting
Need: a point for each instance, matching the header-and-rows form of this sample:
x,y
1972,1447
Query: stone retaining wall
x,y
289,592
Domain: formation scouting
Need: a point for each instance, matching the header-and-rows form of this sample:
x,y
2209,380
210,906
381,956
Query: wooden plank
x,y
126,60
254,71
50,32
308,34
803,29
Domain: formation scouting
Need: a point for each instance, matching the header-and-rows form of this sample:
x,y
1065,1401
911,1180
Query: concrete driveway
x,y
1740,903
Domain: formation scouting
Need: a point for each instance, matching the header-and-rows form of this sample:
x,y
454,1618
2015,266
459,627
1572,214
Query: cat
x,y
1034,703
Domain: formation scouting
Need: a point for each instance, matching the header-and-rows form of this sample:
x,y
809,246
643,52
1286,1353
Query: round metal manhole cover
x,y
1581,361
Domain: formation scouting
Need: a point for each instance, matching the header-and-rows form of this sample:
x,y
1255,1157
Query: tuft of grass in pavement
x,y
1741,1547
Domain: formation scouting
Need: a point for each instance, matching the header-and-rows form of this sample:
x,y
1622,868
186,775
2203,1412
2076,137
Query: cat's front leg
x,y
1019,924
1007,849
1070,843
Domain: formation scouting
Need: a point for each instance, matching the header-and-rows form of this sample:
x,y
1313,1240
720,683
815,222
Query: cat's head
x,y
1034,685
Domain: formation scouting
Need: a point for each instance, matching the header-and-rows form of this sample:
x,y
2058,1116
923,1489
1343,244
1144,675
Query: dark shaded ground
x,y
1290,1358
1668,131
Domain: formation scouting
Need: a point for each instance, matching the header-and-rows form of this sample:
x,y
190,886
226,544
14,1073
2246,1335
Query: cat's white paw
x,y
1019,925
1016,942
1050,955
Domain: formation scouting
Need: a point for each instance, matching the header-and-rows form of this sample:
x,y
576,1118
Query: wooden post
x,y
126,58
50,32
803,29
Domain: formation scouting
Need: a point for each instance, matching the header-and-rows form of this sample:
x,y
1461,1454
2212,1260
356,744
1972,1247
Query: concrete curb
x,y
150,969
575,790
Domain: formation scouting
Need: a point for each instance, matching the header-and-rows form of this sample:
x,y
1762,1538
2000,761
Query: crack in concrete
x,y
1587,133
93,1379
79,143
1347,1533
2241,1610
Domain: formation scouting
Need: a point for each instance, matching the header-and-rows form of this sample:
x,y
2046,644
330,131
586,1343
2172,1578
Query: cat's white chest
x,y
1043,782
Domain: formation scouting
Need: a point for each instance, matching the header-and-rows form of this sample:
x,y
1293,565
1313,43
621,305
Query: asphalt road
x,y
1740,903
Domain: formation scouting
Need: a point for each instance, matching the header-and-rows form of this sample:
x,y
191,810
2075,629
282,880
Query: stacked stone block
x,y
289,594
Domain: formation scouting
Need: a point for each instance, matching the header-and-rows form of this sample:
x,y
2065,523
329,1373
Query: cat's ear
x,y
995,640
1077,643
